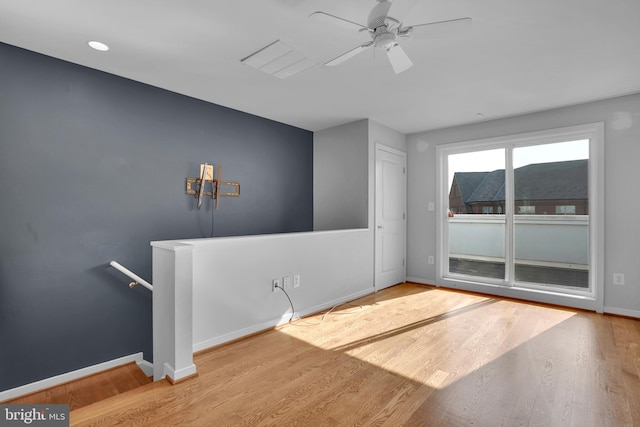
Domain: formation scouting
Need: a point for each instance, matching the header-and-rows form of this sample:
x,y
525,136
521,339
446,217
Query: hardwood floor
x,y
90,389
412,355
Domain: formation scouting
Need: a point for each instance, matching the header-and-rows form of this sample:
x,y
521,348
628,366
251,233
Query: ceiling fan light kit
x,y
385,32
385,39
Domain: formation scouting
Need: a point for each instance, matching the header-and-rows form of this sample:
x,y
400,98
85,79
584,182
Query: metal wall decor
x,y
206,177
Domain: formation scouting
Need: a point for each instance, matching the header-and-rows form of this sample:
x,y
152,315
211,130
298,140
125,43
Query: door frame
x,y
381,147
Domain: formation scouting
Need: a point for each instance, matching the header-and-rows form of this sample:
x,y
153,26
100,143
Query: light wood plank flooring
x,y
412,355
90,389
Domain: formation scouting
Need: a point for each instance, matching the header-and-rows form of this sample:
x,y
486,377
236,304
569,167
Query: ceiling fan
x,y
385,32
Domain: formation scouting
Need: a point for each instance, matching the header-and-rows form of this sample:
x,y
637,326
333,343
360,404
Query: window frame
x,y
591,300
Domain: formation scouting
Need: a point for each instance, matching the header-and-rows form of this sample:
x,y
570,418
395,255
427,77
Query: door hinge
x,y
403,262
403,215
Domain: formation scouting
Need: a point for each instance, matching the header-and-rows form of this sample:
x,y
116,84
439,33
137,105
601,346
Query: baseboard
x,y
622,312
239,333
422,281
177,375
74,375
262,326
147,367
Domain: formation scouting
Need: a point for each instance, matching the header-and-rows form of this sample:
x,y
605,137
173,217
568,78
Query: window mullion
x,y
509,217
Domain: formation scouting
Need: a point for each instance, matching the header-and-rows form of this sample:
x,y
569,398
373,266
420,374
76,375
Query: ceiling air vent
x,y
279,60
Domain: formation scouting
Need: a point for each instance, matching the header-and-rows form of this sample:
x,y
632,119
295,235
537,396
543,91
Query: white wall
x,y
341,177
381,134
344,173
622,151
232,279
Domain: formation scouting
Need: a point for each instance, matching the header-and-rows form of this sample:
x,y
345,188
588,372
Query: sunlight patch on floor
x,y
428,330
458,339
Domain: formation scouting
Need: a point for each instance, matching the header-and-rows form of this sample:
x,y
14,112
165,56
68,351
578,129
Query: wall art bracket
x,y
196,186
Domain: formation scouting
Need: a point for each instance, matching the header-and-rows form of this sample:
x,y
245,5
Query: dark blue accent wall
x,y
92,169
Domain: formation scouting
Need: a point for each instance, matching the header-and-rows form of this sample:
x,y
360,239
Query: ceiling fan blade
x,y
403,8
350,54
399,59
453,27
323,17
378,14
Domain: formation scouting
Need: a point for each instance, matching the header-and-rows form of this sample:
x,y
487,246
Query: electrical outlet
x,y
286,282
275,283
296,281
431,206
618,279
431,259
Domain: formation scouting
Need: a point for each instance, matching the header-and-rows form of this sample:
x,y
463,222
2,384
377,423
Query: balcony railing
x,y
541,242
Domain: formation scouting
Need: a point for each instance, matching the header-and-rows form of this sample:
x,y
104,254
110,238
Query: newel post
x,y
172,311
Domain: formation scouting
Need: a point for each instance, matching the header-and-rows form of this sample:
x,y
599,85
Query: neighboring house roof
x,y
490,189
540,181
553,181
468,182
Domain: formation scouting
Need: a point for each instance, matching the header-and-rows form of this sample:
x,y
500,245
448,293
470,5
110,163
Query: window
x,y
565,209
525,182
478,185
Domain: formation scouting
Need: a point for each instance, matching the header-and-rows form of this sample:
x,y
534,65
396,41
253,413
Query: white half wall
x,y
231,287
172,306
232,279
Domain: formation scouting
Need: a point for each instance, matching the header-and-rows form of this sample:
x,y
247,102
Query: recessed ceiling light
x,y
480,115
99,46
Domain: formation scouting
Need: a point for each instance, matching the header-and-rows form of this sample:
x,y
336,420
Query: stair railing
x,y
137,279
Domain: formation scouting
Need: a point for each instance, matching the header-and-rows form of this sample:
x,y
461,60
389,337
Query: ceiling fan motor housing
x,y
382,27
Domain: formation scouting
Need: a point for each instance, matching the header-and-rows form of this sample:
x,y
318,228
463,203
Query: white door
x,y
390,217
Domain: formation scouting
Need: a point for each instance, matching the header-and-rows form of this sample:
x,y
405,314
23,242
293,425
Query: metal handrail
x,y
132,275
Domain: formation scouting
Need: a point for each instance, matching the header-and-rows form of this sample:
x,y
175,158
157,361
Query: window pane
x,y
476,225
551,206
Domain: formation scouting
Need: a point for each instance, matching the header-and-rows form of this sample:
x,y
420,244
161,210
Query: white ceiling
x,y
519,56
